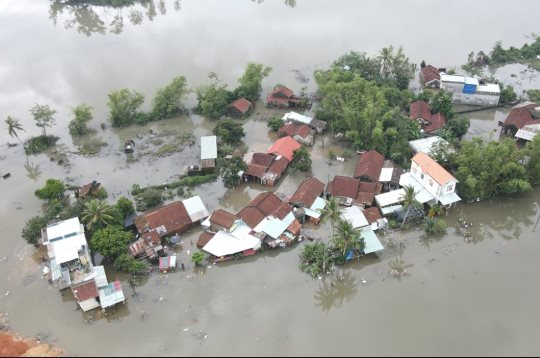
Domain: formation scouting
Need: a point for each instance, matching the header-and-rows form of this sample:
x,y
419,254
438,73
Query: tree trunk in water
x,y
405,217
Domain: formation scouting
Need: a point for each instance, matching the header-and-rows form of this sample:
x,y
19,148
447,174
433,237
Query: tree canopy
x,y
251,81
111,241
53,189
124,107
229,131
229,169
82,114
44,116
214,98
168,101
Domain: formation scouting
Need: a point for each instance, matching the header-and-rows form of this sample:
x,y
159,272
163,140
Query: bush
x,y
149,198
125,206
111,241
434,226
274,123
197,258
32,230
39,144
53,189
130,265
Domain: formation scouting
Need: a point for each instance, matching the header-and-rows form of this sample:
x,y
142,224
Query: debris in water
x,y
200,335
186,329
363,281
7,293
497,252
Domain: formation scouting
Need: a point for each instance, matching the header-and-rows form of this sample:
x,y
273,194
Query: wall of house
x,y
475,98
426,180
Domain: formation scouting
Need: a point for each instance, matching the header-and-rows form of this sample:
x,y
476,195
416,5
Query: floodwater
x,y
459,298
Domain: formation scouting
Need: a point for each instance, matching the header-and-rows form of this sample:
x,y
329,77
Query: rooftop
x,y
432,168
307,192
369,165
284,146
223,218
209,147
241,104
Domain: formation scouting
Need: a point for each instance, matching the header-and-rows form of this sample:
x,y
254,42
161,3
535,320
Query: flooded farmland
x,y
458,297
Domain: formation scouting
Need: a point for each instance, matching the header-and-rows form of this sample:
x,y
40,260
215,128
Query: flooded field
x,y
458,298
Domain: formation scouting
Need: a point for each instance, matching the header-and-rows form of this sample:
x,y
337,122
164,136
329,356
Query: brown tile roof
x,y
365,198
242,105
294,227
519,115
255,170
284,91
251,216
262,159
279,166
367,187
223,218
293,129
173,217
204,238
266,202
430,73
307,192
86,188
436,122
372,214
283,210
369,165
85,291
345,187
432,168
284,146
420,109
151,238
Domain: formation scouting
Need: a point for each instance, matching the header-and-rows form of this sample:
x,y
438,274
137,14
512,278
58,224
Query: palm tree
x,y
347,237
13,127
409,200
385,59
97,213
330,211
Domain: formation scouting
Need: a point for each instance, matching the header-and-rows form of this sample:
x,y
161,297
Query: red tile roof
x,y
436,122
345,187
262,159
283,210
267,202
372,214
430,73
307,192
420,109
223,218
432,168
85,291
204,238
251,215
293,129
365,198
173,217
242,105
369,165
284,146
86,188
279,166
294,227
367,187
520,115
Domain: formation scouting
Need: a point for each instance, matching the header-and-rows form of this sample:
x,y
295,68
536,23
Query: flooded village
x,y
282,199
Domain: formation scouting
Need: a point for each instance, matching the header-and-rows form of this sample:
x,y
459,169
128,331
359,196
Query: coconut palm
x,y
97,213
409,200
385,58
330,212
348,238
13,127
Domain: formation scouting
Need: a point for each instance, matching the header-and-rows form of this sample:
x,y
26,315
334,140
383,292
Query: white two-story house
x,y
431,181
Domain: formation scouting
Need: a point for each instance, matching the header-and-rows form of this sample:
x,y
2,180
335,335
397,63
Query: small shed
x,y
208,153
240,107
167,263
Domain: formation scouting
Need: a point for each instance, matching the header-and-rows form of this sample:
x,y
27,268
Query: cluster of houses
x,y
464,89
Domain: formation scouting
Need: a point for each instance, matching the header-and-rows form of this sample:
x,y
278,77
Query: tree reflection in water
x,y
32,171
102,16
334,290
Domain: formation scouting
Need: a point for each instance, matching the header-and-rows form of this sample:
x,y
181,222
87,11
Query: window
x,y
422,175
449,188
430,182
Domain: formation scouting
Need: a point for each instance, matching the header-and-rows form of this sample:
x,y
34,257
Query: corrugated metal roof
x,y
372,242
195,208
425,144
101,277
390,198
209,147
449,199
224,244
111,294
390,209
355,216
386,174
422,194
489,87
297,117
526,134
452,78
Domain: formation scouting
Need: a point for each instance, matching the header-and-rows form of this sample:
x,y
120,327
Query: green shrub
x,y
39,144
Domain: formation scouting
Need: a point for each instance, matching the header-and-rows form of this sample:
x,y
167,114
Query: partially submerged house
x,y
88,190
208,153
430,77
369,166
298,118
240,108
167,220
349,191
420,112
225,245
355,216
390,174
220,220
267,169
285,147
521,115
426,145
71,265
283,97
308,196
302,133
470,90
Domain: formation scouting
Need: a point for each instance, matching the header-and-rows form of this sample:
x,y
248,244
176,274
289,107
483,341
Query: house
x,y
369,166
221,220
208,153
524,114
426,145
204,238
470,90
148,245
372,215
90,189
298,118
285,147
240,107
167,263
355,216
302,133
430,77
282,97
420,112
267,169
432,183
308,196
224,245
262,205
71,265
350,191
527,133
390,174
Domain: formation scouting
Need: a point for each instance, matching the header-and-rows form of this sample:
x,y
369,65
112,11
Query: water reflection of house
x,y
71,265
300,132
90,189
174,218
240,108
350,191
283,97
309,197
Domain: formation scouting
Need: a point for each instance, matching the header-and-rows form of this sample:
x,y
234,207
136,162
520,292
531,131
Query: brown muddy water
x,y
459,298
